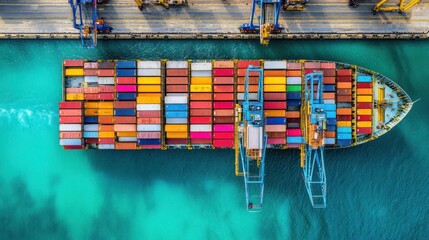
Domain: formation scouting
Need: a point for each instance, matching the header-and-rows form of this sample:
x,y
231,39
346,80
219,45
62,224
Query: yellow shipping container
x,y
364,112
364,98
275,113
149,98
176,128
91,104
149,88
148,80
344,124
106,134
74,96
177,134
364,124
108,105
201,80
91,112
274,80
201,88
105,112
274,88
73,72
126,134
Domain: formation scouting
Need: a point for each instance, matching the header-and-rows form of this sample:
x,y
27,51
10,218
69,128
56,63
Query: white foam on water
x,y
26,117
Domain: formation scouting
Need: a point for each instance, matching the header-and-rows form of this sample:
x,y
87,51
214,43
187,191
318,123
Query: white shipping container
x,y
91,79
252,96
148,127
200,127
176,120
106,80
329,101
177,64
90,127
201,66
148,107
255,136
70,127
148,64
176,99
293,80
201,73
150,72
106,146
127,139
275,65
71,142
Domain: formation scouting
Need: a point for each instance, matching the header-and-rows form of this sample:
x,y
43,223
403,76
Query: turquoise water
x,y
376,190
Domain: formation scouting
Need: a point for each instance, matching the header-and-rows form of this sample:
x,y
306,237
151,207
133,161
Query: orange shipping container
x,y
105,128
292,114
328,80
252,80
105,119
125,145
364,91
294,73
274,73
252,88
344,85
242,73
275,113
223,112
344,111
201,96
223,64
275,128
330,134
328,95
105,112
91,112
126,134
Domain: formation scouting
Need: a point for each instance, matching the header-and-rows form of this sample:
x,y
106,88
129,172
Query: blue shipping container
x,y
329,88
125,112
148,141
126,73
344,136
90,134
175,114
126,96
344,129
276,121
331,114
90,119
125,64
176,107
293,102
329,140
331,128
294,139
364,78
331,121
293,95
344,142
330,107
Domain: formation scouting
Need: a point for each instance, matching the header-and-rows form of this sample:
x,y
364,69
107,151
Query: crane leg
x,y
314,177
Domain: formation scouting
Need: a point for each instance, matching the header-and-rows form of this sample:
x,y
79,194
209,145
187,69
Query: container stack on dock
x,y
344,107
149,104
275,101
71,125
176,103
329,96
294,136
364,104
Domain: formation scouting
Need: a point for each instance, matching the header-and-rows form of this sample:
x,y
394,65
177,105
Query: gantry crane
x,y
400,8
87,21
268,19
312,150
252,143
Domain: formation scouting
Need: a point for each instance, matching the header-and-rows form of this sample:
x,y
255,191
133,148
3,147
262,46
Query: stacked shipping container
x,y
223,114
294,81
275,101
176,103
71,125
344,107
329,96
364,104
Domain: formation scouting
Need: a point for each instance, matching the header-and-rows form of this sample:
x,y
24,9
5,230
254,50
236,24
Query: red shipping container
x,y
149,135
73,63
293,65
91,96
177,80
344,91
223,119
223,143
328,80
106,141
344,72
150,114
154,120
106,72
127,119
223,135
91,140
363,105
242,73
91,90
252,80
106,89
329,73
223,105
90,65
200,104
223,88
73,147
364,130
201,141
344,98
274,105
90,72
344,78
70,105
200,112
276,135
124,104
201,120
224,97
223,80
276,140
177,141
307,71
106,96
364,118
246,63
105,119
70,119
70,134
173,72
364,85
126,80
176,88
344,117
274,96
223,72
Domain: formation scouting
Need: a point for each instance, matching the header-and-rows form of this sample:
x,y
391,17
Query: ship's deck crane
x,y
400,8
87,21
268,19
252,144
312,150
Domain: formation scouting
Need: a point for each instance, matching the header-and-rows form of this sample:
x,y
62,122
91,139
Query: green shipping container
x,y
293,88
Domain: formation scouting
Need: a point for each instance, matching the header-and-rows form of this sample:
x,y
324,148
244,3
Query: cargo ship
x,y
248,105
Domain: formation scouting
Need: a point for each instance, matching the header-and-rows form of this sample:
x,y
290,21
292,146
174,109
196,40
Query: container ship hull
x,y
193,104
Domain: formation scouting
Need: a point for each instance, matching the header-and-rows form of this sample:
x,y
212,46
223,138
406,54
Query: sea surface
x,y
378,190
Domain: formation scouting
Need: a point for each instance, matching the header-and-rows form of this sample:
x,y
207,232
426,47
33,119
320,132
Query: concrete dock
x,y
213,19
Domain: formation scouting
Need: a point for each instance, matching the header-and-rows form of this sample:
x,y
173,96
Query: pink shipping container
x,y
91,90
293,145
274,96
293,66
223,88
70,112
223,64
275,128
198,104
149,135
223,143
73,63
312,65
106,96
154,120
223,105
90,65
275,105
74,90
70,119
223,72
124,119
106,141
106,72
68,105
201,135
223,80
153,113
327,65
150,146
276,140
70,134
293,132
106,89
223,135
124,127
126,88
126,80
223,127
